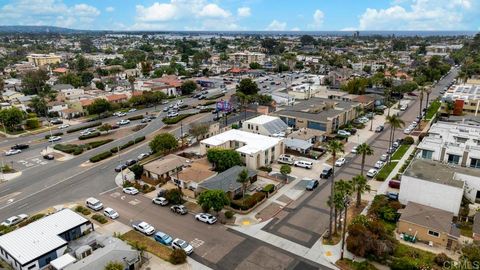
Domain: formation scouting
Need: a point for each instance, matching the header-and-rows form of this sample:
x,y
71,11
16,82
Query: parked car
x,y
120,167
379,164
48,157
303,164
342,132
206,218
391,150
172,114
183,245
394,184
392,196
384,157
130,162
143,227
396,144
340,162
94,204
56,121
379,129
14,220
146,120
286,159
179,209
363,119
142,156
372,172
163,238
403,108
109,212
12,152
311,184
354,149
408,130
20,146
123,122
165,109
54,138
160,201
130,190
326,172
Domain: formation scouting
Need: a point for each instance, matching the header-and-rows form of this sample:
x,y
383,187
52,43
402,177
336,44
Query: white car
x,y
340,162
54,138
142,156
372,172
342,132
63,126
379,164
182,244
303,164
130,190
206,218
172,114
120,114
123,122
407,131
354,149
160,201
12,152
132,110
143,227
14,220
109,212
363,119
384,157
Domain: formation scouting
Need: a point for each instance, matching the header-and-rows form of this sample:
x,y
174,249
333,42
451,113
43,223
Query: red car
x,y
394,184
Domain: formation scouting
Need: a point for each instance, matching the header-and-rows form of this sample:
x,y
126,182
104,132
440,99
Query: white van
x,y
286,159
94,204
303,164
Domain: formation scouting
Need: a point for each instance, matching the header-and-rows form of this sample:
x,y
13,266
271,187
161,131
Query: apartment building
x,y
465,98
44,59
248,57
266,125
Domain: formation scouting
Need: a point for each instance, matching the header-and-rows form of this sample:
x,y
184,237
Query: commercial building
x,y
35,245
248,57
256,150
44,59
266,125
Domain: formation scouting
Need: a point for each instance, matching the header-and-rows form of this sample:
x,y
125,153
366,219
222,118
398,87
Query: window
x,y
453,159
256,128
426,154
432,233
316,125
31,266
475,163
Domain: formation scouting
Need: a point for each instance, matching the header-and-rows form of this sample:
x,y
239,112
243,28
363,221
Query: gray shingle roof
x,y
429,217
227,180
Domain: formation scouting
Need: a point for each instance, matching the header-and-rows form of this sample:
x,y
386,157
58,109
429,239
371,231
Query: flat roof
x,y
262,119
40,237
253,142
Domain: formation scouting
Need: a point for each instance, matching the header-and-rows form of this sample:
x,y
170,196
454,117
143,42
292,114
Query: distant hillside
x,y
36,29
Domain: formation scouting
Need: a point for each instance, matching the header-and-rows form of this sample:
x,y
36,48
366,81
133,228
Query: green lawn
x,y
400,152
416,256
385,171
432,109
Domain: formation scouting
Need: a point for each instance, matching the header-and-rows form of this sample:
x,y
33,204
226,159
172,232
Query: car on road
x,y
48,157
94,204
109,212
165,109
143,156
379,164
130,190
403,107
172,114
20,146
179,209
146,120
384,157
160,201
56,121
12,152
372,172
87,131
132,110
206,218
120,114
14,220
120,167
311,184
54,138
354,149
326,172
163,238
63,126
340,162
130,162
379,129
183,245
363,119
143,227
303,164
342,132
123,122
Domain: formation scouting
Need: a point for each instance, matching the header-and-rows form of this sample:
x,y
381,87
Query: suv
x,y
94,204
312,184
179,209
19,146
326,173
286,159
303,164
130,162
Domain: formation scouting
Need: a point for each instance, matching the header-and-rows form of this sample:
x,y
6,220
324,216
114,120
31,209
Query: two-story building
x,y
266,125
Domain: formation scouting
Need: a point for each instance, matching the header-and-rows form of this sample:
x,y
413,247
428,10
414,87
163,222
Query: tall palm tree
x,y
428,91
333,147
131,80
422,91
395,122
244,100
360,185
343,190
243,179
364,150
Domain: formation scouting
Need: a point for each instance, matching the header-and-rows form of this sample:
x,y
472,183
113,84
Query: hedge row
x,y
248,202
96,144
215,96
110,153
95,124
89,136
176,119
269,188
100,218
206,110
101,156
78,149
136,117
53,134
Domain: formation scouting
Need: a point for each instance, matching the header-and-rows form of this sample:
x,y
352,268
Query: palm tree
x,y
333,147
360,185
428,91
244,100
243,179
343,189
395,122
422,91
131,80
364,150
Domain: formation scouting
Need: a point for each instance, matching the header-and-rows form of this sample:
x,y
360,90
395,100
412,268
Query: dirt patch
x,y
284,199
159,250
268,212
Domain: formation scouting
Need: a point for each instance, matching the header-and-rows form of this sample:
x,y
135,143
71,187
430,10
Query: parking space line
x,y
106,191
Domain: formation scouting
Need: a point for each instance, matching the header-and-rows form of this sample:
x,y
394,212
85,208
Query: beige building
x,y
44,59
429,225
165,167
247,57
256,150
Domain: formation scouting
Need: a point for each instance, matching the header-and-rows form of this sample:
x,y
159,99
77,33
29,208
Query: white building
x,y
452,143
38,243
248,57
256,150
266,125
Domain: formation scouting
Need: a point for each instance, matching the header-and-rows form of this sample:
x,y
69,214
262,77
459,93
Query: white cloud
x,y
157,12
244,12
318,17
109,9
417,15
276,26
295,29
213,11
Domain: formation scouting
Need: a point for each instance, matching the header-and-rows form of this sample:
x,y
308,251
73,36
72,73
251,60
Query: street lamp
x,y
344,229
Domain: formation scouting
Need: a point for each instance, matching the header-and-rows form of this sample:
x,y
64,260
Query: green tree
x,y
137,170
198,130
32,123
223,159
214,199
307,40
248,87
39,106
131,80
98,106
364,150
163,142
395,122
360,185
33,82
146,68
188,87
70,78
356,86
255,65
114,265
333,147
100,85
174,196
11,117
86,78
285,170
243,179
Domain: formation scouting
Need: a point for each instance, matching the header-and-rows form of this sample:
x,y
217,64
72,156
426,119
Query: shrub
x,y
101,156
408,140
95,124
265,169
229,214
136,117
32,123
176,119
31,219
269,188
441,259
206,110
174,196
210,102
96,144
101,219
83,210
215,96
235,126
403,264
178,256
69,148
248,202
139,139
89,136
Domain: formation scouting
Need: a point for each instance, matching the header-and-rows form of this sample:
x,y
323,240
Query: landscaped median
x,y
95,124
176,119
77,149
109,153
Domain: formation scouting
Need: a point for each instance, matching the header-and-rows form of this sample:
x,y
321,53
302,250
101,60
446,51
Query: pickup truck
x,y
143,227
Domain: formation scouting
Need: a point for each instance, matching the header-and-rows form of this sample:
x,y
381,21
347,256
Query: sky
x,y
244,15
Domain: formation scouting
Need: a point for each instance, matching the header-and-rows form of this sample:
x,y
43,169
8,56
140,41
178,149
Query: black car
x,y
48,157
56,121
120,167
326,173
179,209
20,146
197,95
130,162
312,184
